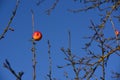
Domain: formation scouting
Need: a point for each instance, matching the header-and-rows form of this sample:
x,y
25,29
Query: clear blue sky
x,y
16,45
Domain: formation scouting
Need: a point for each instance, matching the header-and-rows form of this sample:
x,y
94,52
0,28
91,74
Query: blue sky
x,y
16,45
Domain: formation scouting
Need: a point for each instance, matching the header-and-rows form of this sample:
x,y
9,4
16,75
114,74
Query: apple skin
x,y
116,32
37,36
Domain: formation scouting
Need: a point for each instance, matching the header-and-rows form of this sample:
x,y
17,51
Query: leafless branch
x,y
114,30
52,7
116,75
33,49
39,2
50,62
18,75
10,21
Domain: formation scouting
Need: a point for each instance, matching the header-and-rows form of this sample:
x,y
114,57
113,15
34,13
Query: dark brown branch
x,y
8,66
101,60
95,5
108,54
10,21
113,7
52,7
50,62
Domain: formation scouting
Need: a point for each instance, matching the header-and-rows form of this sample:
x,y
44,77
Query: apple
x,y
117,32
37,36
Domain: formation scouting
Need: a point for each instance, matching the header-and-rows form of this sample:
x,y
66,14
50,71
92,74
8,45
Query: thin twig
x,y
71,57
103,62
10,21
39,2
8,66
50,62
33,49
69,39
116,75
48,11
114,29
108,54
32,20
96,5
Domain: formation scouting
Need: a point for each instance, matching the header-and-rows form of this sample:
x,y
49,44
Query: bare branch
x,y
33,49
52,7
8,66
50,62
39,2
10,21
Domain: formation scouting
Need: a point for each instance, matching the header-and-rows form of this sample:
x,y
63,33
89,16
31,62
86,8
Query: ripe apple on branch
x,y
37,35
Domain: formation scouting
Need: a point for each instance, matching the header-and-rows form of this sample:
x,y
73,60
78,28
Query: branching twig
x,y
8,66
95,5
70,58
10,21
98,37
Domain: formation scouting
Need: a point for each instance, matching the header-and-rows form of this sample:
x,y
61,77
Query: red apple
x,y
116,32
37,36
